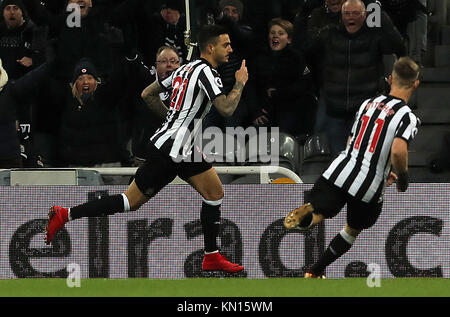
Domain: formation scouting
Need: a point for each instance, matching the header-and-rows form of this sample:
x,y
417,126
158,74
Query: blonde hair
x,y
405,72
284,24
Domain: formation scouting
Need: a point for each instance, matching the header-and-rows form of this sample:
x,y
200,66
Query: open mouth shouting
x,y
275,44
278,38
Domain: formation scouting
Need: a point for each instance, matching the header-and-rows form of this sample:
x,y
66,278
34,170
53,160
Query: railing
x,y
263,171
32,176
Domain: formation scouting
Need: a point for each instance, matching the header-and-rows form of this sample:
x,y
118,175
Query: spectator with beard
x,y
17,47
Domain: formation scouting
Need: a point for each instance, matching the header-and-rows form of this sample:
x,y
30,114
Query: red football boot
x,y
217,262
57,218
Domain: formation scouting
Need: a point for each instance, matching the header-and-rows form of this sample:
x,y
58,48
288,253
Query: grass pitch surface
x,y
229,287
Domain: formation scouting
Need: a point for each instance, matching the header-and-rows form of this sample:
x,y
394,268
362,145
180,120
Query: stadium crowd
x,y
70,88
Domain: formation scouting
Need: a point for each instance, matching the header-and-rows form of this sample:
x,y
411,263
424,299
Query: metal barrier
x,y
38,177
263,171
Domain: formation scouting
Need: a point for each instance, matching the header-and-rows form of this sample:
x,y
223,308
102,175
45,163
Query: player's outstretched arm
x,y
227,104
151,98
399,160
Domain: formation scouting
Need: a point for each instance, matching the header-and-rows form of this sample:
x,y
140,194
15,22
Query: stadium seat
x,y
433,103
428,142
288,150
315,157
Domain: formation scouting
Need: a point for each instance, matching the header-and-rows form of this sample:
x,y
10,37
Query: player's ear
x,y
390,80
210,48
416,84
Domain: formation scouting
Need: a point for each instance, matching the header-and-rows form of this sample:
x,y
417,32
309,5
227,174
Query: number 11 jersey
x,y
362,169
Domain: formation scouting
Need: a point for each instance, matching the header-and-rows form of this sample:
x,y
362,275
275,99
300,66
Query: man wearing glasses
x,y
145,123
351,67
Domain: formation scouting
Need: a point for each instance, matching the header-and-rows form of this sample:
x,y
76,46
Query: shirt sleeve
x,y
167,82
211,83
408,127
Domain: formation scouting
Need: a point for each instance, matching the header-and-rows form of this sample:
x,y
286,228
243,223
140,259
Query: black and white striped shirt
x,y
362,169
194,88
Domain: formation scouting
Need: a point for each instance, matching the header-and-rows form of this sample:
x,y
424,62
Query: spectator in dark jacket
x,y
9,141
71,39
281,84
403,12
352,67
241,36
165,27
327,14
145,123
17,33
22,47
91,38
88,132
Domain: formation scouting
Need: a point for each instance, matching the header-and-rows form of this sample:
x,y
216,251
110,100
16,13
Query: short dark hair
x,y
405,72
209,34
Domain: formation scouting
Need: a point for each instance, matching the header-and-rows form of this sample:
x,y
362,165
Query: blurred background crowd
x,y
70,87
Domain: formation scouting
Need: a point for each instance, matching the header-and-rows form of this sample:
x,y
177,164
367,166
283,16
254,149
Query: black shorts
x,y
328,199
160,169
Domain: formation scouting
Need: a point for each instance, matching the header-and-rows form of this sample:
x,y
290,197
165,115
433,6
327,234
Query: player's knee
x,y
132,203
214,195
134,207
352,231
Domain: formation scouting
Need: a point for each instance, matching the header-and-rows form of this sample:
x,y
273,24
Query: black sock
x,y
337,247
104,206
210,220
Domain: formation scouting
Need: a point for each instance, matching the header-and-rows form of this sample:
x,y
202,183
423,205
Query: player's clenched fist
x,y
242,74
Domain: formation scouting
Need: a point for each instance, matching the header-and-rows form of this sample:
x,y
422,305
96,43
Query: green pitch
x,y
230,287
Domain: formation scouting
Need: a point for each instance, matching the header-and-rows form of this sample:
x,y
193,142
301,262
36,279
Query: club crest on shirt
x,y
218,82
164,96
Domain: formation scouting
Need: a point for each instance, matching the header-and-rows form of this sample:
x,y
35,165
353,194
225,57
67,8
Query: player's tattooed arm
x,y
151,97
227,104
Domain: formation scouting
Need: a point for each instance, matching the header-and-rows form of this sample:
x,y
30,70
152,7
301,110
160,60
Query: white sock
x,y
69,217
213,202
350,239
126,203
